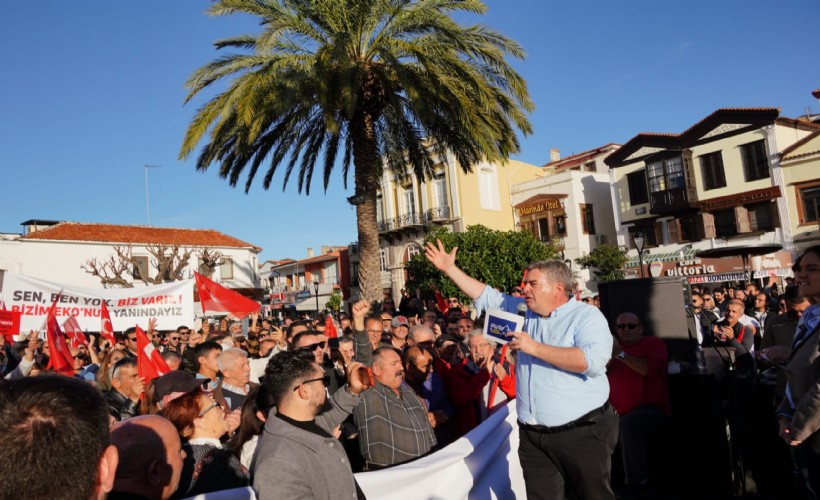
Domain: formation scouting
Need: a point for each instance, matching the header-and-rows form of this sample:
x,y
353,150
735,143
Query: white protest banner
x,y
483,464
172,303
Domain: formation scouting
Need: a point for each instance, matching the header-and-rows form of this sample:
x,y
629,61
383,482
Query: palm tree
x,y
394,83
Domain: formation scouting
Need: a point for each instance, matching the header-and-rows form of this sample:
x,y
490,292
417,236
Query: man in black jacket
x,y
126,387
702,322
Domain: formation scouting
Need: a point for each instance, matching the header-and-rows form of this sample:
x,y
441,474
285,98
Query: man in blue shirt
x,y
568,430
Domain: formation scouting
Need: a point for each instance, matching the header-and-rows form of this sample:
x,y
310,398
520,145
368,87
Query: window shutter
x,y
709,225
742,220
658,233
673,228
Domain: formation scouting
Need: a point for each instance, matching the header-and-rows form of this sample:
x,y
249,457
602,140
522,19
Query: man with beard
x,y
297,457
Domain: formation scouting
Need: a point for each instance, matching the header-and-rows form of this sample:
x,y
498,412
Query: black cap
x,y
175,381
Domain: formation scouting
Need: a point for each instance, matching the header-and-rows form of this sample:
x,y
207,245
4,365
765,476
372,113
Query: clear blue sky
x,y
92,90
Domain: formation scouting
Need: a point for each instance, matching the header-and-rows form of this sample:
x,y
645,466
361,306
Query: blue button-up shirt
x,y
545,394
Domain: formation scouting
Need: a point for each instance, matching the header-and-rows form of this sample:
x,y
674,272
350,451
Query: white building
x,y
570,206
56,251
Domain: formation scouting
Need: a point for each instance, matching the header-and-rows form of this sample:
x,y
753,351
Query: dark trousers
x,y
807,463
636,431
574,463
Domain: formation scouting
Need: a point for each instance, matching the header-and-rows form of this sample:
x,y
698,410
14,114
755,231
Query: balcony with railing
x,y
415,220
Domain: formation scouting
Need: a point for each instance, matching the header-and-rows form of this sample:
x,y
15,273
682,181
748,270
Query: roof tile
x,y
117,234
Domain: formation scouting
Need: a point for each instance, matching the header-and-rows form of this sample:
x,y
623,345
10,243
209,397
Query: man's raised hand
x,y
439,257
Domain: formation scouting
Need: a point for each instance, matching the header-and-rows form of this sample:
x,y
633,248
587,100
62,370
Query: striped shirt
x,y
392,429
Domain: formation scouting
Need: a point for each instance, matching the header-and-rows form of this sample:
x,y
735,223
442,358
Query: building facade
x,y
570,207
302,285
720,183
57,251
801,178
408,208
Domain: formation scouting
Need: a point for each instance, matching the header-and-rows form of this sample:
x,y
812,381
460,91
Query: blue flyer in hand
x,y
499,323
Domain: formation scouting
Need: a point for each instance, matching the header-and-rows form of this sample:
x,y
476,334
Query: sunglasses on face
x,y
627,326
132,339
313,347
427,344
325,381
173,338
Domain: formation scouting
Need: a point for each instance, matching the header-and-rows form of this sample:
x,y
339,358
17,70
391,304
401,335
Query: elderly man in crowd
x,y
126,388
392,420
151,457
568,429
297,457
471,381
640,393
236,373
57,442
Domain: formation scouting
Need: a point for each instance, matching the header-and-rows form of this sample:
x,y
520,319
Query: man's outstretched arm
x,y
446,263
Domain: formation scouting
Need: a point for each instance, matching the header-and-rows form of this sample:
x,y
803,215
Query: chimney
x,y
309,252
555,154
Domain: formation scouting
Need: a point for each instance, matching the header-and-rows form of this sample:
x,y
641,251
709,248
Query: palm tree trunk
x,y
367,172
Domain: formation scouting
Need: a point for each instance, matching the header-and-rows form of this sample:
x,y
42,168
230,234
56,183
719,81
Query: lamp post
x,y
316,289
639,240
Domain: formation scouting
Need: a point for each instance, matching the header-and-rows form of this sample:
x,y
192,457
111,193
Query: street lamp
x,y
316,289
639,240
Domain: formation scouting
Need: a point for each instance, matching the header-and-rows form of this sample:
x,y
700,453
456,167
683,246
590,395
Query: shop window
x,y
760,216
725,223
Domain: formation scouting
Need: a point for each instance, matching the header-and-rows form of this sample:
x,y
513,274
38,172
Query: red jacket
x,y
465,385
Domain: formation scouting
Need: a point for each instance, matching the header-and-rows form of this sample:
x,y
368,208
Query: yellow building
x,y
801,178
409,207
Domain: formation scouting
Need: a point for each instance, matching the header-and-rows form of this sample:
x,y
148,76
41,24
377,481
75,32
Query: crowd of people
x,y
293,410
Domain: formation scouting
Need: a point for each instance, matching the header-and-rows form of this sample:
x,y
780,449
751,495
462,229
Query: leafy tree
x,y
497,258
394,83
607,262
334,302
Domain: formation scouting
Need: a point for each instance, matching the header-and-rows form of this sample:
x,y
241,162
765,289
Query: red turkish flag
x,y
74,333
60,359
150,363
216,298
106,329
330,328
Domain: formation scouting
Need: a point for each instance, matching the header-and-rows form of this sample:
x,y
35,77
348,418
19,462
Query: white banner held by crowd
x,y
172,304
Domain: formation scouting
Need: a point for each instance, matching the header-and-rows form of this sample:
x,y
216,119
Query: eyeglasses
x,y
312,347
206,410
455,302
325,380
627,326
173,338
132,339
427,344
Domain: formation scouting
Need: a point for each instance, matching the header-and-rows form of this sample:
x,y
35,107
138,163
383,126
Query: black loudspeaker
x,y
660,303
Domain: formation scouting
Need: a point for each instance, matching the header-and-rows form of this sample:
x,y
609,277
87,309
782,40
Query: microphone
x,y
522,309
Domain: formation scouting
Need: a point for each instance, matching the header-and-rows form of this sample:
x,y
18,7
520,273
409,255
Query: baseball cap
x,y
175,381
399,321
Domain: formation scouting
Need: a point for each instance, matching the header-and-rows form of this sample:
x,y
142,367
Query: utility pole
x,y
147,207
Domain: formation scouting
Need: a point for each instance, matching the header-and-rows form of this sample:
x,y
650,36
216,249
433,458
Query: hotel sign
x,y
537,208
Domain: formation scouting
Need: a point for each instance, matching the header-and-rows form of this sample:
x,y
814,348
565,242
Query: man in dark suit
x,y
762,314
701,322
